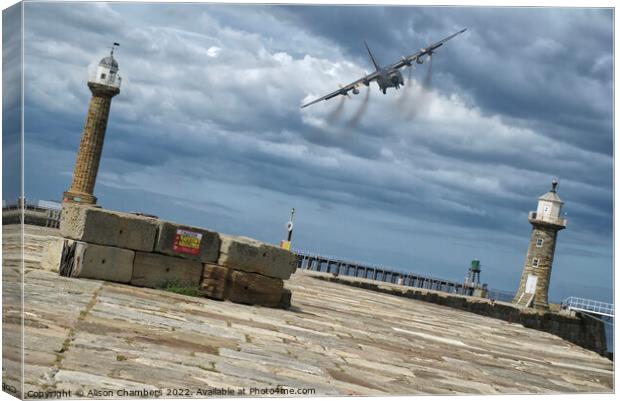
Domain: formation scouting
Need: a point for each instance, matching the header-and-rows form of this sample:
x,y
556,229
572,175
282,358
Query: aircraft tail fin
x,y
372,57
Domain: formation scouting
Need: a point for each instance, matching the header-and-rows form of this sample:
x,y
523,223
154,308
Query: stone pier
x,y
335,340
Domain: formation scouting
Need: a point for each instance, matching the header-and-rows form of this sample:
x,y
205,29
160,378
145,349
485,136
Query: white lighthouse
x,y
546,221
107,71
104,85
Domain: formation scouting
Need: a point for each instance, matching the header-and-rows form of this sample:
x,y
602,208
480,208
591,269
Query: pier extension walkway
x,y
336,266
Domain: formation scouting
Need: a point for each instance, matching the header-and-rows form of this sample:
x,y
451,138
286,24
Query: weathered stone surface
x,y
285,298
102,262
27,250
52,250
242,253
584,331
214,281
219,282
253,289
154,270
105,227
339,339
208,245
120,337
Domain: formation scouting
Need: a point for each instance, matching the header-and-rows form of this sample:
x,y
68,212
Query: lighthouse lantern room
x,y
107,71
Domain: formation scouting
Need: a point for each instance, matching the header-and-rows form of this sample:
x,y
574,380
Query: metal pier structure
x,y
319,263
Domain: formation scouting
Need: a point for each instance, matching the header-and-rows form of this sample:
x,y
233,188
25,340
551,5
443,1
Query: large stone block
x,y
246,254
214,281
100,262
105,227
254,289
187,242
158,271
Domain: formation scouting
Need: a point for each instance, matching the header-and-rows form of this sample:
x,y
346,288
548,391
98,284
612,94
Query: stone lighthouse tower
x,y
546,222
104,85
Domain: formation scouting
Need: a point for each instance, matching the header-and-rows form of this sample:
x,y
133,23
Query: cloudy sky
x,y
207,129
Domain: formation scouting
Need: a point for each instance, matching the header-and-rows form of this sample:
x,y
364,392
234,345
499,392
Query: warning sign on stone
x,y
187,242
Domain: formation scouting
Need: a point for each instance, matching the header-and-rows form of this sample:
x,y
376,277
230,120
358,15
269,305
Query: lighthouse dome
x,y
109,62
107,72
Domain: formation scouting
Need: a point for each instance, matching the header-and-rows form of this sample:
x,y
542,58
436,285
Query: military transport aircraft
x,y
386,77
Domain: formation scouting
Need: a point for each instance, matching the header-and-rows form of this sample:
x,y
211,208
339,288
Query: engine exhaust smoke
x,y
420,104
416,95
335,114
429,74
360,111
405,95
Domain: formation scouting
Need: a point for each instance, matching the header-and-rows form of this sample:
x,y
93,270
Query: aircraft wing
x,y
345,89
426,50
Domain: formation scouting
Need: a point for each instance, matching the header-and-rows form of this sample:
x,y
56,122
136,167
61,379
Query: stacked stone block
x,y
104,227
154,270
103,262
148,252
250,272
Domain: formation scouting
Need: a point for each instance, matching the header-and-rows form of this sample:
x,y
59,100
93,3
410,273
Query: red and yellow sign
x,y
187,242
285,245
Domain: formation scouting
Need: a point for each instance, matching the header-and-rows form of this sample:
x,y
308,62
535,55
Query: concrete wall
x,y
581,330
148,252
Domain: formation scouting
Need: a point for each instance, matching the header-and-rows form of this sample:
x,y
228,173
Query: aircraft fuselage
x,y
390,79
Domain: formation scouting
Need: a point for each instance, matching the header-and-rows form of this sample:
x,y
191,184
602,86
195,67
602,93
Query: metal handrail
x,y
553,220
588,305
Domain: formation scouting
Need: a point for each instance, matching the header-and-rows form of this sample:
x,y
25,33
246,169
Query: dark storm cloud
x,y
11,102
551,67
208,116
